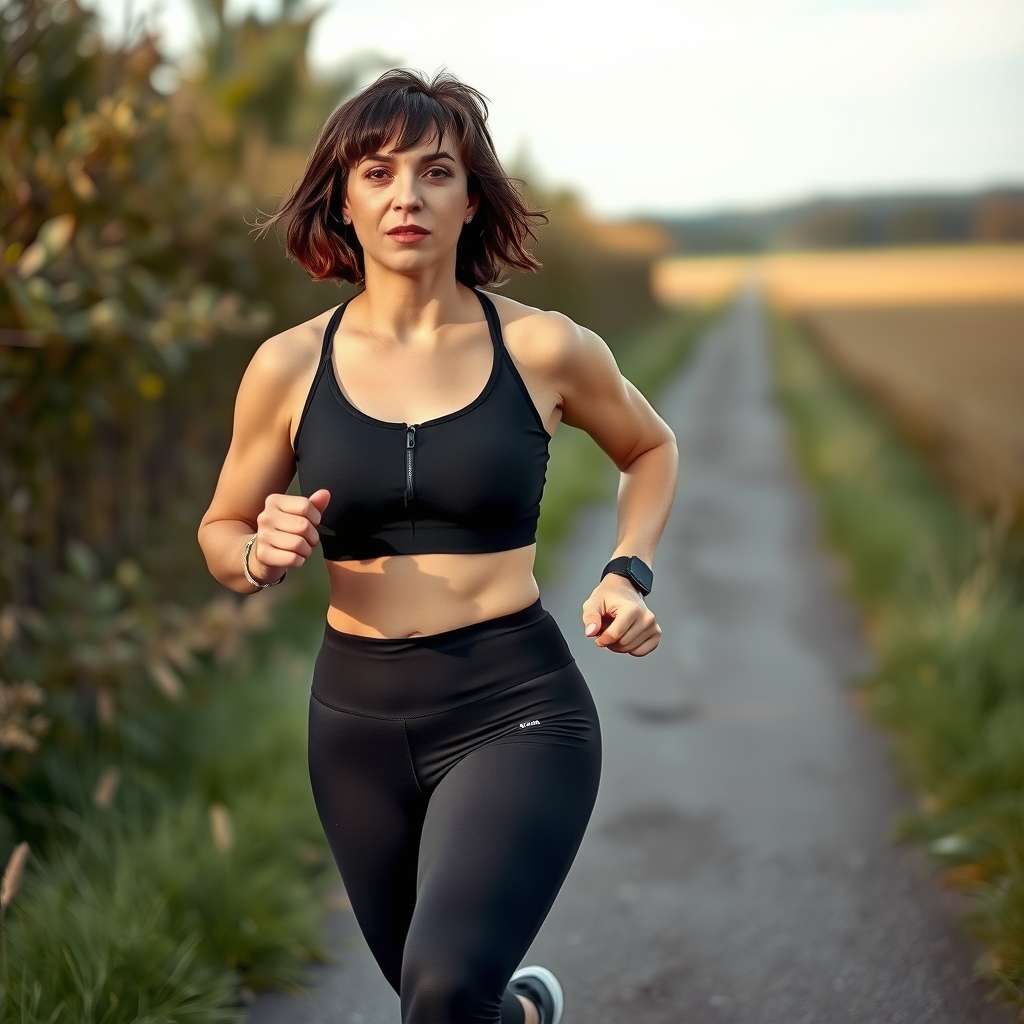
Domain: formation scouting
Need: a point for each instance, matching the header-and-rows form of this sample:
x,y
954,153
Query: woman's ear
x,y
471,207
345,213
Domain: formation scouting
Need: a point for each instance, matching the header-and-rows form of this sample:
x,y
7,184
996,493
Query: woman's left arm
x,y
595,397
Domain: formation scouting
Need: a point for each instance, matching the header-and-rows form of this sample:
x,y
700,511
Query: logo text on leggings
x,y
526,725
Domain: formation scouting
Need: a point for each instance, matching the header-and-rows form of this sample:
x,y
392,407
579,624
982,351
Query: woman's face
x,y
408,209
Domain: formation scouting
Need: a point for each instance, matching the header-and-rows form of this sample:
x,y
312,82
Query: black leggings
x,y
454,775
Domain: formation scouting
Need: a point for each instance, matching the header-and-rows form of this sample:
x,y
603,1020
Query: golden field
x,y
935,336
952,377
878,277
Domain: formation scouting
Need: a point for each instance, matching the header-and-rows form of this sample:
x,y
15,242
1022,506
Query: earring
x,y
469,218
346,220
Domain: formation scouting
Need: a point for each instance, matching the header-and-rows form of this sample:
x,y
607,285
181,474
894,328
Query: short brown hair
x,y
405,107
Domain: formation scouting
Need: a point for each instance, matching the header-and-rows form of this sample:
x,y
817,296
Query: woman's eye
x,y
377,174
438,172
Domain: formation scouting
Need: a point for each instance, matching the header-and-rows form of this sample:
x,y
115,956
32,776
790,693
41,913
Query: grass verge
x,y
579,473
200,876
943,594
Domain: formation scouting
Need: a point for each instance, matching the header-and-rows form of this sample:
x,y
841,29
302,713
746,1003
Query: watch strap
x,y
635,569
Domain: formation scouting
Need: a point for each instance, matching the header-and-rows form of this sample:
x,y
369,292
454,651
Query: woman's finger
x,y
284,541
593,616
632,637
637,619
646,647
273,558
638,631
623,619
287,523
282,554
309,508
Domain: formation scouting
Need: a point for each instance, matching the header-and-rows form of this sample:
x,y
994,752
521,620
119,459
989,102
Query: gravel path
x,y
739,866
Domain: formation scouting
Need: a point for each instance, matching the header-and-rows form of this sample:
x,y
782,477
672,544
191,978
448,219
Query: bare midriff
x,y
415,595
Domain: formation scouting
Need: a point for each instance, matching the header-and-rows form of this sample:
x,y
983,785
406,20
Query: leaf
x,y
32,260
55,234
83,562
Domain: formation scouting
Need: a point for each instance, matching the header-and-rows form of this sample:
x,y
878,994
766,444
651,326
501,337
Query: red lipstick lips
x,y
408,233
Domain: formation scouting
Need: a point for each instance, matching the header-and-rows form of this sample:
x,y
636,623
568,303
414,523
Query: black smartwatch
x,y
636,570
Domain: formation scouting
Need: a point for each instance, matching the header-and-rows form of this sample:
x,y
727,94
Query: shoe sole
x,y
550,982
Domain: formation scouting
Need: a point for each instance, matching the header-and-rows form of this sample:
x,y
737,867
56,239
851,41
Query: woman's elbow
x,y
667,443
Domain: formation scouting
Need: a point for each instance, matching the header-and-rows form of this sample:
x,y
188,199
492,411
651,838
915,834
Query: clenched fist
x,y
618,618
286,533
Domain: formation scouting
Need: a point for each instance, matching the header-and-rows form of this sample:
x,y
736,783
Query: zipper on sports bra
x,y
410,448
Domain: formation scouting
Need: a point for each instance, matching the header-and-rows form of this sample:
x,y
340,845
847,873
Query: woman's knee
x,y
435,992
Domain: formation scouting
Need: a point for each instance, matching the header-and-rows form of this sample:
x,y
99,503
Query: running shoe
x,y
541,987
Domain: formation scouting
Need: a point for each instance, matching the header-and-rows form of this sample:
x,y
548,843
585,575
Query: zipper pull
x,y
410,444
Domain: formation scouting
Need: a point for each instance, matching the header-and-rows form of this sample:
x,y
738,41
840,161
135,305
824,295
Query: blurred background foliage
x,y
152,726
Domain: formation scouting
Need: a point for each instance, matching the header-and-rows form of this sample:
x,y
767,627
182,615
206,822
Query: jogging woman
x,y
454,748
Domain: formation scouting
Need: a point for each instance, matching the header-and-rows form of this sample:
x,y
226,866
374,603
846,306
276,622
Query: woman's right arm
x,y
258,468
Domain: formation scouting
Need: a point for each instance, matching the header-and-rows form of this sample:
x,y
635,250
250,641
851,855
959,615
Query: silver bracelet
x,y
248,575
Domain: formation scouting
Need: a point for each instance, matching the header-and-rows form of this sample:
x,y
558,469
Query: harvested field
x,y
880,277
952,377
935,336
897,277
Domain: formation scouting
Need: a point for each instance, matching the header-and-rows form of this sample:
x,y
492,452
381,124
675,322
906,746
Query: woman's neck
x,y
405,305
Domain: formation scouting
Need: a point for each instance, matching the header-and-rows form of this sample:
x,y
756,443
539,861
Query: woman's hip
x,y
511,679
413,677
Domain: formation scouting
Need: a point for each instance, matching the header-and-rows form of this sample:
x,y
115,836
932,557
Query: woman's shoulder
x,y
538,338
291,357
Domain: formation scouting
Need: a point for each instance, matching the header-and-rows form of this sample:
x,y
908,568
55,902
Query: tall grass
x,y
201,876
943,594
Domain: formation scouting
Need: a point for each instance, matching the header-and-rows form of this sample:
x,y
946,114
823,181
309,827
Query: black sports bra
x,y
467,482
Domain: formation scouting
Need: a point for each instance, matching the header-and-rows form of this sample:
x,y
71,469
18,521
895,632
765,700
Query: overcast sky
x,y
664,106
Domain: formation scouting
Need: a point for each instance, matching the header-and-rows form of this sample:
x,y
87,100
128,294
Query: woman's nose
x,y
407,194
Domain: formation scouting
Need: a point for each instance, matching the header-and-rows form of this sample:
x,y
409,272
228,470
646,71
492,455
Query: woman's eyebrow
x,y
389,158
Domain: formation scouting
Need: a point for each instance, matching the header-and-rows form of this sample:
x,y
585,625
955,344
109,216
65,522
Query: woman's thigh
x,y
500,833
371,809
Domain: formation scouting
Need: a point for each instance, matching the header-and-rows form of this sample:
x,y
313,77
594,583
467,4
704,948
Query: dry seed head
x,y
105,707
106,787
256,610
165,679
178,654
12,875
14,737
220,825
8,625
19,696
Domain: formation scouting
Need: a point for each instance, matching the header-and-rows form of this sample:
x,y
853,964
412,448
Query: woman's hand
x,y
618,618
286,533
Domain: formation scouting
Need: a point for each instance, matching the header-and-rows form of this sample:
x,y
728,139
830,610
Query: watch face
x,y
640,574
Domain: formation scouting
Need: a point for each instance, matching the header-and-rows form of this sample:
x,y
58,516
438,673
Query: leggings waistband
x,y
407,677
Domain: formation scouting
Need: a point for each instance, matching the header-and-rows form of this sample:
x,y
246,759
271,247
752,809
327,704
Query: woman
x,y
454,749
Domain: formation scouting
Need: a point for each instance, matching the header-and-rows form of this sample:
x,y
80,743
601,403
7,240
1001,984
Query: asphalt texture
x,y
739,866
